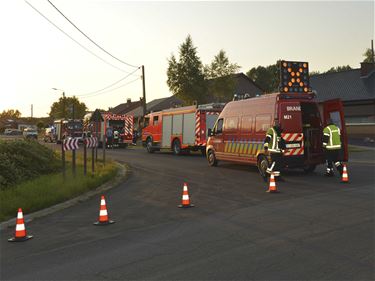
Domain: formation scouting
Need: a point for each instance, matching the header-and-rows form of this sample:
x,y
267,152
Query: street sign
x,y
91,142
70,144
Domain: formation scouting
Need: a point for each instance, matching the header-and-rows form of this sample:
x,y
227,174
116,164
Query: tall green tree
x,y
10,113
185,77
268,78
368,56
68,108
221,82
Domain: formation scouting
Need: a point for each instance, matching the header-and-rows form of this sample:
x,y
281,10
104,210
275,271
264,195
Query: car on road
x,y
30,133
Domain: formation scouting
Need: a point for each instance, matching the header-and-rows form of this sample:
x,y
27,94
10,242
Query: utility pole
x,y
144,90
372,51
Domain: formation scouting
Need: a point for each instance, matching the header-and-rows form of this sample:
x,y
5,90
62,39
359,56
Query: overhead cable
x,y
131,65
74,39
109,86
91,96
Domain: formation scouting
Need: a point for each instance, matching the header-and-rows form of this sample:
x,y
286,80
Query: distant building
x,y
356,88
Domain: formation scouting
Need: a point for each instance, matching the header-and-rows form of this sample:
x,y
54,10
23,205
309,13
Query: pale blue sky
x,y
36,57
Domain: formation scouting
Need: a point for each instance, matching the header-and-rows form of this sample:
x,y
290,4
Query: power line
x,y
90,38
112,89
73,38
109,86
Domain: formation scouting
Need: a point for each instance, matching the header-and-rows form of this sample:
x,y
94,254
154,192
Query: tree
x,y
185,76
68,108
268,78
219,73
338,69
369,57
10,114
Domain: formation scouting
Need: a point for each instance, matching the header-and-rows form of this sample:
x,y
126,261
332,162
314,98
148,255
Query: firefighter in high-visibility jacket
x,y
332,148
275,144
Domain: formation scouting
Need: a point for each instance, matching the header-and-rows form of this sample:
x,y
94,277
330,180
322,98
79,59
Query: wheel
x,y
211,158
176,147
262,165
309,168
149,146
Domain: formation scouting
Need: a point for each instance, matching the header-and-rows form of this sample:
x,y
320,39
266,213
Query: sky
x,y
35,56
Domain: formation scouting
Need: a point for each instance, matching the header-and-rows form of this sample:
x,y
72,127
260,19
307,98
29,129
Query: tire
x,y
309,169
149,146
262,165
211,158
176,147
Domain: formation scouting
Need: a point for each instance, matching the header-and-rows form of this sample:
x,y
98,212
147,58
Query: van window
x,y
247,124
231,124
155,120
219,126
262,123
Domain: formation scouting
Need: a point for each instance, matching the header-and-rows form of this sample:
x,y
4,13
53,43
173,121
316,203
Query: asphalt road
x,y
315,229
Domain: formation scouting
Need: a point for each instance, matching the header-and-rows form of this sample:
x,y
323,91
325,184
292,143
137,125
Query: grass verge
x,y
47,190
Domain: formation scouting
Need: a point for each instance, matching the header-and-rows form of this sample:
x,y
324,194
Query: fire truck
x,y
241,128
123,124
67,128
180,129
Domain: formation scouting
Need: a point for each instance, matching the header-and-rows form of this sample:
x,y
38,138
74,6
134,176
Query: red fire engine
x,y
120,124
240,130
180,129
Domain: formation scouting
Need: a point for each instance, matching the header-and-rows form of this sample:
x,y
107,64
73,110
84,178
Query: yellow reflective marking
x,y
235,147
246,145
226,147
255,148
230,146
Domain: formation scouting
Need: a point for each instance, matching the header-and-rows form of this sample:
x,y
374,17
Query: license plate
x,y
293,145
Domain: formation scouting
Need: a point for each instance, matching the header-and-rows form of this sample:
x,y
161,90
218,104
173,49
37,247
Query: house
x,y
124,108
356,88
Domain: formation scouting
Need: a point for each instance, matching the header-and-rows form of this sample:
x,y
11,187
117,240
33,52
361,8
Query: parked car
x,y
30,133
12,132
49,135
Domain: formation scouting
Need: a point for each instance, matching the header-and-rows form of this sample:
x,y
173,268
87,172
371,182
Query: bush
x,y
22,160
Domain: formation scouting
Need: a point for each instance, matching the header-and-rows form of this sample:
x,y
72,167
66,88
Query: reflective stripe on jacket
x,y
272,141
331,137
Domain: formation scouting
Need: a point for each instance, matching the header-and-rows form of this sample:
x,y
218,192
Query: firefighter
x,y
332,148
275,144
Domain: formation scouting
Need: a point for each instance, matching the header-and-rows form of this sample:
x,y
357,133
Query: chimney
x,y
367,68
128,101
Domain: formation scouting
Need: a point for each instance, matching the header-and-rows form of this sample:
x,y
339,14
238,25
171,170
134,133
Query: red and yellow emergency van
x,y
241,127
180,129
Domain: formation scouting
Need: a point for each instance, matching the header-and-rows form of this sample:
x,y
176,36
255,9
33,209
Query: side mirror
x,y
210,132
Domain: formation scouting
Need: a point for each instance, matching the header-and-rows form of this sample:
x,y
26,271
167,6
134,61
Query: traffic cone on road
x,y
20,233
272,186
103,214
345,178
185,198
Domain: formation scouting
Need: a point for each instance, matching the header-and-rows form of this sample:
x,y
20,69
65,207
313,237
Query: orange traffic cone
x,y
185,198
103,214
345,178
272,186
20,233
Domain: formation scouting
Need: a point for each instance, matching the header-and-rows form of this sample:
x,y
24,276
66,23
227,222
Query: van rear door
x,y
291,122
334,110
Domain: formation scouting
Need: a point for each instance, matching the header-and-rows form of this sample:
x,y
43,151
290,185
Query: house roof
x,y
156,105
346,85
124,108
